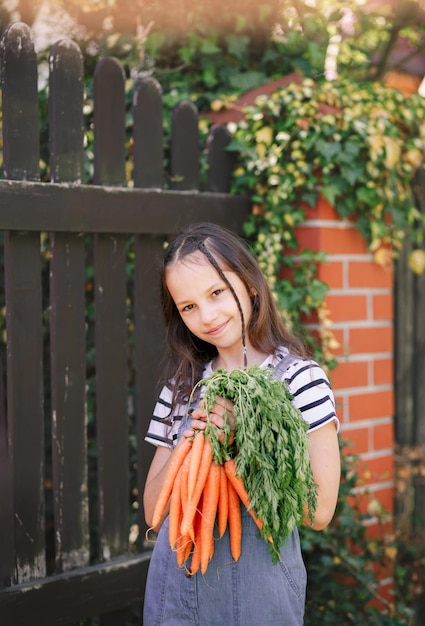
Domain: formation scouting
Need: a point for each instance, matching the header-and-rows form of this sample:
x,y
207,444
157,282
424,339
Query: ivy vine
x,y
359,147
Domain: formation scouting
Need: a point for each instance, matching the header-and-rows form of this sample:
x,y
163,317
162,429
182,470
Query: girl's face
x,y
206,303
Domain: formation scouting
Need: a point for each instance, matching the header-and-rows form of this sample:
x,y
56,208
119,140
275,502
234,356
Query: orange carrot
x,y
195,461
177,459
175,510
185,473
196,554
223,503
235,521
209,512
237,482
190,509
183,548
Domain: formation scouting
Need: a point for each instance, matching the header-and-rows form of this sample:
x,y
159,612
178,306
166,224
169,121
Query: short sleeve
x,y
164,426
312,393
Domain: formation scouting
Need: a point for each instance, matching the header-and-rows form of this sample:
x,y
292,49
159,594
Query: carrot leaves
x,y
271,448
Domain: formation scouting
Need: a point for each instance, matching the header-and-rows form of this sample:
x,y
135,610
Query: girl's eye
x,y
188,307
217,292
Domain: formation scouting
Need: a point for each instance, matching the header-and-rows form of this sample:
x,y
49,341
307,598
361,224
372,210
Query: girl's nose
x,y
208,314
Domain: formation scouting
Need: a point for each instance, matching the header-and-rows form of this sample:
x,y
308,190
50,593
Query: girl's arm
x,y
326,466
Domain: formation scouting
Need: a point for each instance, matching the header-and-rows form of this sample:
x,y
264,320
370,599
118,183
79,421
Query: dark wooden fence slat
x,y
7,533
85,592
409,339
19,104
25,408
66,112
419,369
111,394
148,134
69,430
419,336
148,172
109,123
90,209
67,319
404,348
419,361
149,350
111,326
185,153
110,308
409,342
23,312
220,161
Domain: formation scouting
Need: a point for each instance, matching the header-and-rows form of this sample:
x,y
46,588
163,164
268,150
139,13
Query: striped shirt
x,y
306,380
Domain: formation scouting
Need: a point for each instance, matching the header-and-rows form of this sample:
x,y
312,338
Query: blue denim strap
x,y
283,365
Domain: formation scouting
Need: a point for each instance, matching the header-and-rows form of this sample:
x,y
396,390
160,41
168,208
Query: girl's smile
x,y
217,329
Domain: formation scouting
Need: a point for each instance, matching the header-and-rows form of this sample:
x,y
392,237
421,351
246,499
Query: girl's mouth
x,y
217,329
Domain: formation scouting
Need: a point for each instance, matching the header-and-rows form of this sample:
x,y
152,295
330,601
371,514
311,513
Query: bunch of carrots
x,y
201,491
266,467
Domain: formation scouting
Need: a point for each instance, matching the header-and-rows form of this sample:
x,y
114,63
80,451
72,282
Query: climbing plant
x,y
359,147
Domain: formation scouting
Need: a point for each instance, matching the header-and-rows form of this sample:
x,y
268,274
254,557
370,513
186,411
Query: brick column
x,y
360,304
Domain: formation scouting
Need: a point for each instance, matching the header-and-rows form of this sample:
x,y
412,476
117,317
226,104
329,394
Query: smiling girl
x,y
220,313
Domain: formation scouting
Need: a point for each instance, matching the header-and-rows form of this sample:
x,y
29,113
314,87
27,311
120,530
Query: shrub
x,y
347,560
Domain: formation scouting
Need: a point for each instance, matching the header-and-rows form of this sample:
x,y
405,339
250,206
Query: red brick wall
x,y
360,305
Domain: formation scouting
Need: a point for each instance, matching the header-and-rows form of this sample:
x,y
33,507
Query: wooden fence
x,y
65,509
409,381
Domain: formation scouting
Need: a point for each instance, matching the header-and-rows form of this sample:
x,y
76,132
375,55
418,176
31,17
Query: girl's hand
x,y
221,413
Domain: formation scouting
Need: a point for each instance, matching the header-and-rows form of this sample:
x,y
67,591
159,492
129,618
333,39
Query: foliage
x,y
366,39
359,148
189,37
410,470
347,559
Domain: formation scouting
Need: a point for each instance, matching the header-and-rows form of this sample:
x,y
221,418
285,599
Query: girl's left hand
x,y
221,413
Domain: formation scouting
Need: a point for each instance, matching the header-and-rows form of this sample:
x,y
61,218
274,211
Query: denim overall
x,y
250,592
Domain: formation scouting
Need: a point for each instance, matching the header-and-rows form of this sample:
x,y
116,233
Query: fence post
x,y
67,318
148,139
148,134
24,557
185,147
220,161
110,285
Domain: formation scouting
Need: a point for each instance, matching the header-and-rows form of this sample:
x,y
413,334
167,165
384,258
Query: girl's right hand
x,y
221,413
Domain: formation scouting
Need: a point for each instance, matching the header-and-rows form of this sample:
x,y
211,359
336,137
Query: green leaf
x,y
351,173
209,47
351,150
209,76
328,149
310,198
366,195
237,45
330,193
247,80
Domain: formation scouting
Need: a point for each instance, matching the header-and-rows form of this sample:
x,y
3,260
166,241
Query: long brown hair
x,y
187,355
